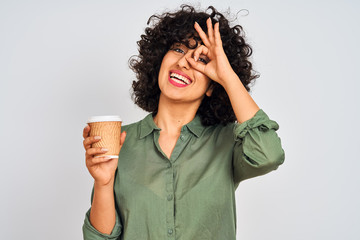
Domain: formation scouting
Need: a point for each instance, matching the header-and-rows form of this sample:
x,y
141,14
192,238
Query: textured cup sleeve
x,y
257,148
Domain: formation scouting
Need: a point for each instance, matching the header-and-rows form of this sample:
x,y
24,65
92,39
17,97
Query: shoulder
x,y
221,127
135,129
131,126
220,132
132,133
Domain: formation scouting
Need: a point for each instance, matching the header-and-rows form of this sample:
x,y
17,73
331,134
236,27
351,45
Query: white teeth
x,y
186,80
178,81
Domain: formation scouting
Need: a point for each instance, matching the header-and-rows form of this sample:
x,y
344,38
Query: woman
x,y
179,167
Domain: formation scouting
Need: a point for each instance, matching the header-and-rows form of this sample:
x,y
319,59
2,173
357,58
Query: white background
x,y
63,61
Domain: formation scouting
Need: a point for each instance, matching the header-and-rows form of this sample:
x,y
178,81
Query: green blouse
x,y
192,194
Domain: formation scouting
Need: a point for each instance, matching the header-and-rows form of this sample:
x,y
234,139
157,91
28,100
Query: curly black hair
x,y
178,27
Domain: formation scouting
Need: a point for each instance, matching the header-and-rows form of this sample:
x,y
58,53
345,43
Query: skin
x,y
175,59
220,70
102,169
177,107
172,115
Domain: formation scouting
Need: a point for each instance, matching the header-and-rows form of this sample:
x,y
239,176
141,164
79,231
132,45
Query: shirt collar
x,y
195,126
148,125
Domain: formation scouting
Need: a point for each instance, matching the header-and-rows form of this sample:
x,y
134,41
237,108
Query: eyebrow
x,y
178,44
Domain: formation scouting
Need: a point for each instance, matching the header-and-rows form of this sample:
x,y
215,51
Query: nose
x,y
182,62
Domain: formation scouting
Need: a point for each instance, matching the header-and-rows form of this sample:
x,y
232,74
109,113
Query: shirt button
x,y
182,137
169,197
170,231
169,165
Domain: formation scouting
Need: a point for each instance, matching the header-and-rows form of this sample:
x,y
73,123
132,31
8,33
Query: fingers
x,y
90,140
201,50
94,161
122,138
196,65
90,152
210,38
218,41
213,36
90,158
202,34
86,131
94,151
210,30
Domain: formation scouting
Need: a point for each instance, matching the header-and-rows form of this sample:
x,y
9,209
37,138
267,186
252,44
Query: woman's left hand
x,y
218,68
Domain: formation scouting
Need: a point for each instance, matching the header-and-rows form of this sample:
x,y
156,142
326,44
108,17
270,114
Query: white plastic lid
x,y
104,119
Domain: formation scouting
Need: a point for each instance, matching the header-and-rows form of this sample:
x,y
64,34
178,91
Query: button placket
x,y
170,218
169,197
180,145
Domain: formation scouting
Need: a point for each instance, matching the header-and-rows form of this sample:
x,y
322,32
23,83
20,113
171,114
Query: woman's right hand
x,y
102,169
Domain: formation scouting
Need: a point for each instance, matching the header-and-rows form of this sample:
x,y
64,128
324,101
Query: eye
x,y
203,60
176,49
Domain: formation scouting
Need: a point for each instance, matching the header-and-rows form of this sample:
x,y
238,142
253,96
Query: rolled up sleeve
x,y
257,149
90,233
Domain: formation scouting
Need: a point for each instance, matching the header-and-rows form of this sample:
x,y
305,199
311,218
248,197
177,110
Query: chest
x,y
167,143
192,165
200,163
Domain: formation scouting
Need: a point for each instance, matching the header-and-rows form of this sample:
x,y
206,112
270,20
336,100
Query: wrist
x,y
232,81
104,186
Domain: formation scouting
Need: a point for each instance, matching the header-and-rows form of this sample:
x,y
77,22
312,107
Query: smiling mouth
x,y
179,80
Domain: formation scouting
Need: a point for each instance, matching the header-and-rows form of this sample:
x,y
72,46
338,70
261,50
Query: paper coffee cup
x,y
109,128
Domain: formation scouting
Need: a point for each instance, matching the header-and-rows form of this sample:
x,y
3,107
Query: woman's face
x,y
178,81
